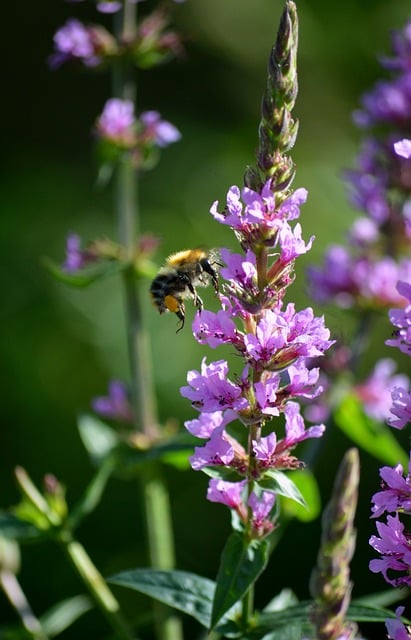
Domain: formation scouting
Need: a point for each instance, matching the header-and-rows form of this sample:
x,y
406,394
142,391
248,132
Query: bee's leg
x,y
212,273
198,302
181,314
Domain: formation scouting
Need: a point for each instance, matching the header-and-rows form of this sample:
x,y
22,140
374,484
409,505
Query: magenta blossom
x,y
76,257
396,629
396,492
394,547
400,409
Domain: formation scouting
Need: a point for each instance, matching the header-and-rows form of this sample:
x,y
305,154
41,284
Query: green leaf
x,y
280,483
383,598
287,624
374,437
62,615
181,590
98,438
14,528
241,564
93,493
86,276
308,486
363,613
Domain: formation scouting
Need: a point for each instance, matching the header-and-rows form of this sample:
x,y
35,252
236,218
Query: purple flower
x,y
295,430
396,492
215,329
117,121
261,508
401,319
204,426
211,391
161,132
263,214
375,392
394,547
116,405
403,148
228,493
401,408
76,257
395,628
75,41
218,451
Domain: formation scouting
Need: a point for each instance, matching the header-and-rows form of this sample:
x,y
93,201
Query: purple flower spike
x,y
395,628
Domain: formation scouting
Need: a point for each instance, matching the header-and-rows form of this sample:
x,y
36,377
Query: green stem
x,y
247,607
156,499
97,587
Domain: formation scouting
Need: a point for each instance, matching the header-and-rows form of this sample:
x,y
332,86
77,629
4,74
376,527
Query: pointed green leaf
x,y
280,483
362,613
63,614
291,623
98,438
86,276
180,590
14,528
374,437
241,564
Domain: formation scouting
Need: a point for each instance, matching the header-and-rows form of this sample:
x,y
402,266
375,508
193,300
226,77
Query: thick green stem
x,y
156,498
97,587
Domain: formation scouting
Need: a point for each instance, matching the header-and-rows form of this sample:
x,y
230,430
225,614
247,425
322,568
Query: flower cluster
x,y
393,542
118,131
274,343
94,46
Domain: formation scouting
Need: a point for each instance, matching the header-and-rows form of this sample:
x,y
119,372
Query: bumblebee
x,y
178,278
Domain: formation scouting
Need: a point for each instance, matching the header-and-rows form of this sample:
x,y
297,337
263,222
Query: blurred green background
x,y
60,346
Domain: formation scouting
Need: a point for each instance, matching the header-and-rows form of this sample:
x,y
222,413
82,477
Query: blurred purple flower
x,y
375,392
76,257
75,41
160,131
116,405
403,148
117,121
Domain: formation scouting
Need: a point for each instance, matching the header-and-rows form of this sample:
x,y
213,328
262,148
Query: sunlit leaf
x,y
308,486
280,483
374,437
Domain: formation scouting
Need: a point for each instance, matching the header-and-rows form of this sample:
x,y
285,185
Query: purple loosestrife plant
x,y
272,339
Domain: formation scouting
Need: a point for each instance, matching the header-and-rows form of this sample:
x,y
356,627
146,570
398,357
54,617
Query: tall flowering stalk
x,y
272,339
